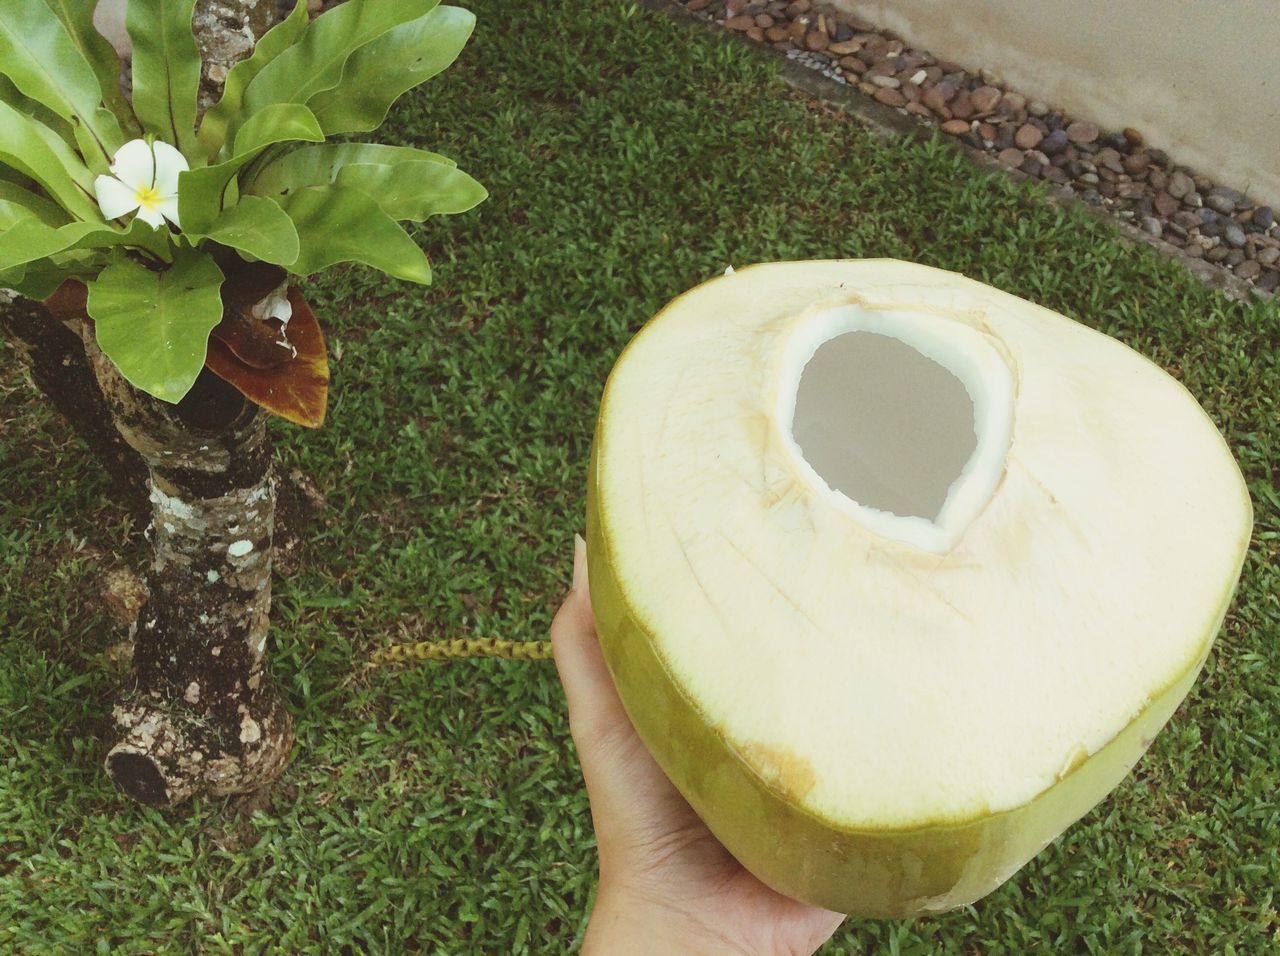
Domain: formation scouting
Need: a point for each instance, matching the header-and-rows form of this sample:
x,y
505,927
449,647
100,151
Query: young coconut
x,y
899,575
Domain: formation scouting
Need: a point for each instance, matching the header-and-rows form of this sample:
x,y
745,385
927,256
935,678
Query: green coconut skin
x,y
882,874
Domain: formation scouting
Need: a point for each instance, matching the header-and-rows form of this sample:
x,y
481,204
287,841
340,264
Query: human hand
x,y
666,884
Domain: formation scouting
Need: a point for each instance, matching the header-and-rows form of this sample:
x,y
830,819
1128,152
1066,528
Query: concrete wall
x,y
1199,78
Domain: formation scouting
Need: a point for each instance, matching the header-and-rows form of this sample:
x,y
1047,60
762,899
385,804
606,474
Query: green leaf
x,y
217,124
40,57
155,325
37,152
31,239
414,191
16,196
201,191
258,227
77,17
336,224
377,74
315,64
37,280
37,111
319,165
279,123
166,69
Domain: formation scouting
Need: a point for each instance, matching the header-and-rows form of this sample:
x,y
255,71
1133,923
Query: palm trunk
x,y
200,715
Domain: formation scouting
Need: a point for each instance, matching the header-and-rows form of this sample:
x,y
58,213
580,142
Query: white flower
x,y
145,178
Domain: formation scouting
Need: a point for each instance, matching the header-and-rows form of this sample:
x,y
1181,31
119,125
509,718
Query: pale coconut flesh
x,y
897,574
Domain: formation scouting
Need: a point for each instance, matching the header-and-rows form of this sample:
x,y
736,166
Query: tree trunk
x,y
200,715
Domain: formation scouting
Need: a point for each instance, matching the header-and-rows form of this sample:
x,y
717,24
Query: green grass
x,y
440,808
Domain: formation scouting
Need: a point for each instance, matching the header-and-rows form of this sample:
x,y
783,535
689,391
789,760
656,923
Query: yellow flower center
x,y
148,196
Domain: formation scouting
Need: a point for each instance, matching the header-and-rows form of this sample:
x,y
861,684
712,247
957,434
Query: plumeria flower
x,y
144,177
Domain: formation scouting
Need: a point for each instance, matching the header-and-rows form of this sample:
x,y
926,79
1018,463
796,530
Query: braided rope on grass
x,y
461,648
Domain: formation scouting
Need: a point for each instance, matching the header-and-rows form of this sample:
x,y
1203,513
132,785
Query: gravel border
x,y
1219,234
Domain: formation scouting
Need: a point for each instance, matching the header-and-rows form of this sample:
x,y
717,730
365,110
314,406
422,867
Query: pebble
x,y
1032,167
988,132
890,97
1157,178
1028,136
1115,141
1011,104
962,106
1153,226
1092,197
1180,185
1135,164
1219,203
937,97
1269,256
1268,281
816,40
1165,204
1082,132
1249,269
1233,235
887,82
1134,137
985,99
1054,143
1110,158
1217,253
955,127
1012,158
740,23
776,34
1037,108
1055,174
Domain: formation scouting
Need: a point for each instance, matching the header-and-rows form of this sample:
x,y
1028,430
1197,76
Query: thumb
x,y
595,711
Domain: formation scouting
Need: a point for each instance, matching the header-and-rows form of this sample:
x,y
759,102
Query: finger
x,y
595,711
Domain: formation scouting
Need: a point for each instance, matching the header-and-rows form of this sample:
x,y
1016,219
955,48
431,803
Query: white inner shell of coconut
x,y
890,670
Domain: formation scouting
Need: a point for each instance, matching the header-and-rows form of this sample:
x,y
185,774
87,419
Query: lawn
x,y
439,808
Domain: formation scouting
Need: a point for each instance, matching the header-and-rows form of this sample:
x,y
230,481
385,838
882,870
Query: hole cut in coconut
x,y
883,424
902,419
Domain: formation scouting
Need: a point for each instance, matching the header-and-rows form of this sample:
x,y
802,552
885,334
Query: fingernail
x,y
579,563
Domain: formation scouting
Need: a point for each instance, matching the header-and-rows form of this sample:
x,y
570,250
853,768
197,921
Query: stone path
x,y
1113,170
